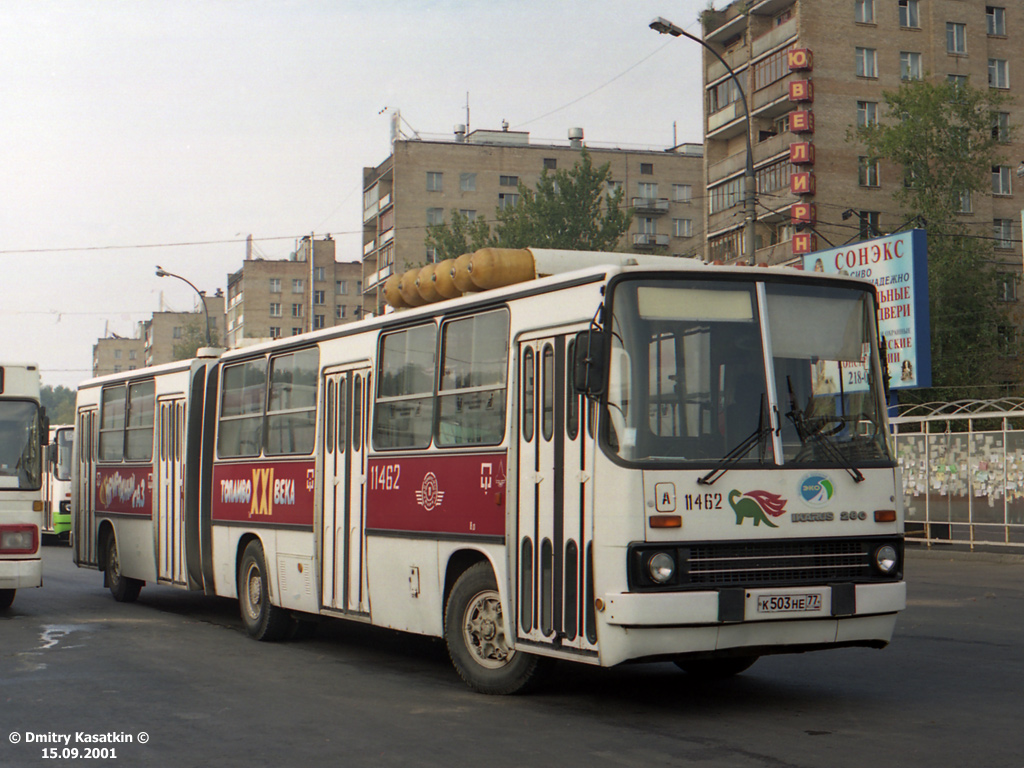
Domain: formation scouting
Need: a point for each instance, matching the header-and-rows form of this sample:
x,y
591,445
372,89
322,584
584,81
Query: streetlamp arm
x,y
161,272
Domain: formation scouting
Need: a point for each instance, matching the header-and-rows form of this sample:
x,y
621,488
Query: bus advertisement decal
x,y
434,494
278,492
125,490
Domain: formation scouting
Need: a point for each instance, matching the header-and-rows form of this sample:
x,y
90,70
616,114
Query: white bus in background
x,y
23,434
57,483
622,462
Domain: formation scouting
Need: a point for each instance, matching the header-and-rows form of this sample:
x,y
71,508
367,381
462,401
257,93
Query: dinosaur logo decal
x,y
757,505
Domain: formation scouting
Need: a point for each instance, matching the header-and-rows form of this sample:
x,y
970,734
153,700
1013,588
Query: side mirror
x,y
589,362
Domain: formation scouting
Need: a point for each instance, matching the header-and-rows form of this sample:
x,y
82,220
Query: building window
x,y
275,332
998,73
339,312
318,322
1001,127
996,20
867,172
550,164
864,11
771,69
1008,287
469,214
507,200
176,333
435,182
645,225
910,65
435,216
682,193
320,274
868,224
957,81
682,227
296,331
275,285
318,297
909,16
297,310
131,354
956,38
647,189
297,286
725,195
867,113
867,62
508,181
1002,231
117,354
774,176
646,169
467,182
275,310
965,203
1001,180
723,94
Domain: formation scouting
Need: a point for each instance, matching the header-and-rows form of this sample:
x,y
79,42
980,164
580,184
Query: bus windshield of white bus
x,y
688,382
20,445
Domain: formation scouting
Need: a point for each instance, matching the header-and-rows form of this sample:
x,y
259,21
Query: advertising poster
x,y
898,266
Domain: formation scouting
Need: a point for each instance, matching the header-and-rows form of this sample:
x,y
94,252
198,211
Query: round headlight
x,y
886,559
661,567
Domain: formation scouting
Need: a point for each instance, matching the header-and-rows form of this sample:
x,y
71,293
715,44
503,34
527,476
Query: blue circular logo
x,y
816,490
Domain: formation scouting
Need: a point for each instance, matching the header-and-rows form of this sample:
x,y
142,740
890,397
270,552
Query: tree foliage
x,y
941,136
570,209
193,336
59,403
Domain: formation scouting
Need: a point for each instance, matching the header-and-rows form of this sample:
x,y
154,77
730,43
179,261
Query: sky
x,y
135,132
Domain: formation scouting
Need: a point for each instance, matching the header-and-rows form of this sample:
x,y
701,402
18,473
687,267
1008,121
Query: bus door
x,y
84,532
170,491
555,499
343,585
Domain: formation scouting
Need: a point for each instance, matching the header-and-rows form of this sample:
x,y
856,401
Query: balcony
x,y
649,242
649,205
379,276
778,36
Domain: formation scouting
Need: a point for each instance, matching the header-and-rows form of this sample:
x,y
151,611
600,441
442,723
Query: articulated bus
x,y
23,433
641,459
57,483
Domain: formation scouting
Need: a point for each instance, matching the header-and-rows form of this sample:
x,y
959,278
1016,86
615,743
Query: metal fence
x,y
962,465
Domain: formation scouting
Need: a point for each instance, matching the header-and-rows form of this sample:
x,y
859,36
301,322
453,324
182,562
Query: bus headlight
x,y
18,539
886,559
661,567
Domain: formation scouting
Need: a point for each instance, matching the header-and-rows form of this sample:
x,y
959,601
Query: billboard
x,y
898,266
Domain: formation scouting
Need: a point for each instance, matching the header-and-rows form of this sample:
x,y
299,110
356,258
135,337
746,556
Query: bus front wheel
x,y
6,598
474,631
124,589
262,620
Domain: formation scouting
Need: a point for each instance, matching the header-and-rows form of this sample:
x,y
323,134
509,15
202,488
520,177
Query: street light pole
x,y
666,27
161,272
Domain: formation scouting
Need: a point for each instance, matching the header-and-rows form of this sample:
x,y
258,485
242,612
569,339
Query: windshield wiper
x,y
815,435
757,437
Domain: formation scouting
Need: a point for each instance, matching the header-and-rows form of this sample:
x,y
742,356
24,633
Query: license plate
x,y
787,603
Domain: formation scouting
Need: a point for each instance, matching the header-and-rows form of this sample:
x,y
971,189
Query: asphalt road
x,y
179,668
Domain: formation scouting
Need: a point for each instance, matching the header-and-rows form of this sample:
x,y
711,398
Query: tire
x,y
124,589
6,598
716,669
474,632
262,620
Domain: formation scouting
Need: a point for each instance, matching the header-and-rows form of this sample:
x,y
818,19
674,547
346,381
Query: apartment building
x,y
114,354
480,171
813,70
270,298
166,330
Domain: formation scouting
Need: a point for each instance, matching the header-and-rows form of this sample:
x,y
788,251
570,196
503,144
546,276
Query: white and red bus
x,y
631,461
23,433
57,483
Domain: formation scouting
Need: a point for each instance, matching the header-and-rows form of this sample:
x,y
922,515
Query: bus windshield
x,y
688,382
20,445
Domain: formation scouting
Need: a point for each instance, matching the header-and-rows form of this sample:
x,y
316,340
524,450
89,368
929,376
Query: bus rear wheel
x,y
6,598
262,620
124,589
474,631
716,669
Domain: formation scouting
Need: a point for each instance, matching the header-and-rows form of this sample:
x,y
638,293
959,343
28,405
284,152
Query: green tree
x,y
193,336
59,403
941,135
570,209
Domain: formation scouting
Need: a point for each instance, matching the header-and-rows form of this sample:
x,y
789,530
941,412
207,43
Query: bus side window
x,y
139,430
342,414
403,416
112,420
291,407
529,374
240,430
